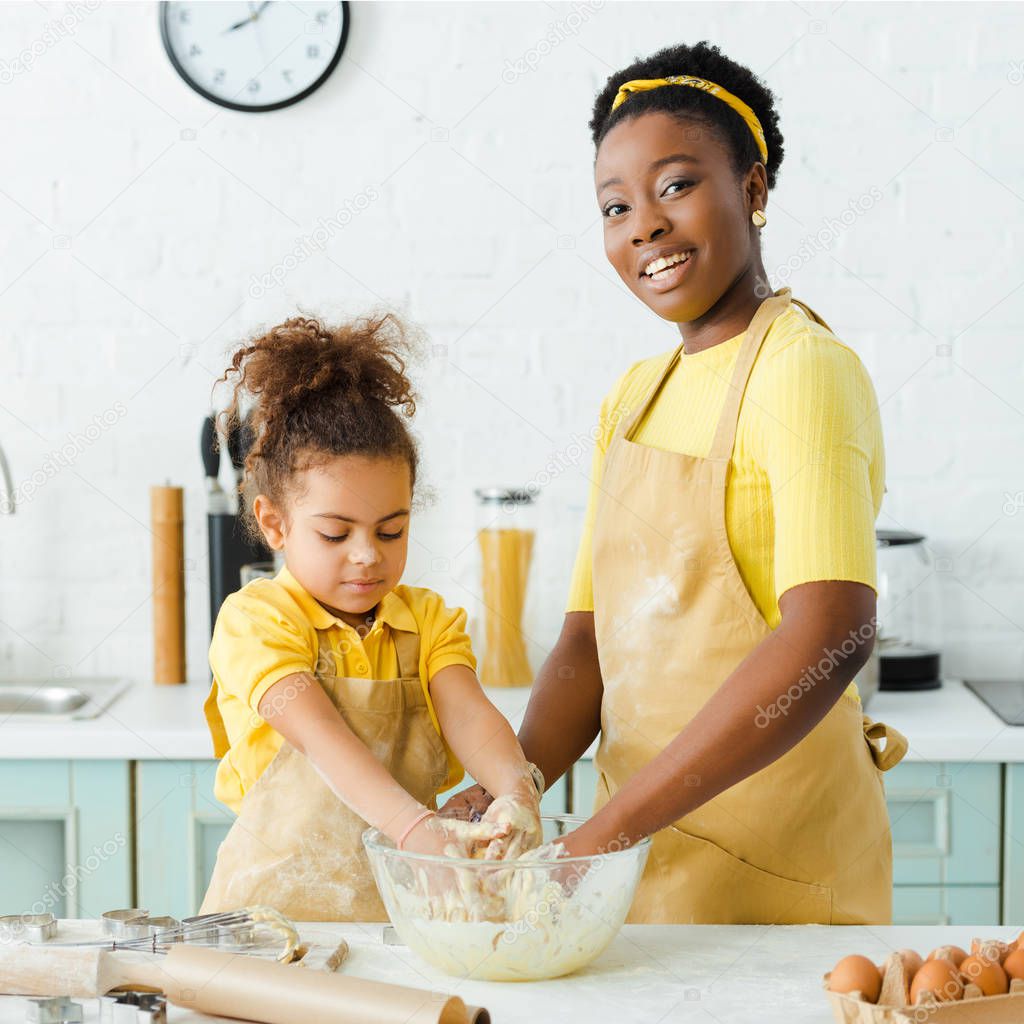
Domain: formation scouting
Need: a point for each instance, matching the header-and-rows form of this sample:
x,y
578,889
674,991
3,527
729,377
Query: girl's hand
x,y
451,837
468,804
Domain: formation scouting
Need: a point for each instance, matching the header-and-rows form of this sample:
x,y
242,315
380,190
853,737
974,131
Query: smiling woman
x,y
728,543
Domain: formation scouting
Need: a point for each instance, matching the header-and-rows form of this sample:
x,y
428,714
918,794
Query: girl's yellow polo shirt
x,y
268,630
807,473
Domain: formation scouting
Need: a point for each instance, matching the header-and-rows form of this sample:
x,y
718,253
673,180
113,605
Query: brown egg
x,y
911,962
953,953
939,977
1014,964
856,974
986,974
990,949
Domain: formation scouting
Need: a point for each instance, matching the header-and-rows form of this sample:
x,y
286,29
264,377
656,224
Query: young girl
x,y
342,698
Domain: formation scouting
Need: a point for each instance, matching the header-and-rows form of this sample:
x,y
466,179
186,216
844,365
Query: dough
x,y
514,922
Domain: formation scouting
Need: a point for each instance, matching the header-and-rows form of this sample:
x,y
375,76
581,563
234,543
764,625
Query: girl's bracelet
x,y
415,821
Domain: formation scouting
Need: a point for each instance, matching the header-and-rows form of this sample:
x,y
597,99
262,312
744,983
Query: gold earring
x,y
759,218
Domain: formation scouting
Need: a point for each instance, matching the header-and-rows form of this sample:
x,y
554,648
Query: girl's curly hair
x,y
688,105
320,391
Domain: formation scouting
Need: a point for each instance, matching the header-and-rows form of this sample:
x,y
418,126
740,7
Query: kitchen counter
x,y
156,722
652,973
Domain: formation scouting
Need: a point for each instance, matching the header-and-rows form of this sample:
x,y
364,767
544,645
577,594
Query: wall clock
x,y
254,56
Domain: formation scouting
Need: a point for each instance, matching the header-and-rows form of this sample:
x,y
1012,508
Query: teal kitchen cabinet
x,y
179,825
65,837
584,787
947,832
951,904
946,823
1013,846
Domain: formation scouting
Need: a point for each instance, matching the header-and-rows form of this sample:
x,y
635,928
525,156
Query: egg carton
x,y
893,1006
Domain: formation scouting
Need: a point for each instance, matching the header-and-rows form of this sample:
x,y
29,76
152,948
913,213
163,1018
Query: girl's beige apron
x,y
295,845
804,840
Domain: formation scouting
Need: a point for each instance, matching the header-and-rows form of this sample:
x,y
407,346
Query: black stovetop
x,y
1004,697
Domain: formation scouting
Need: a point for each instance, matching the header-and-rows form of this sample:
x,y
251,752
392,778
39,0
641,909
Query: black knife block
x,y
230,549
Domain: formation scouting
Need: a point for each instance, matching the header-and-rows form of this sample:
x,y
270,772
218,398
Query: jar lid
x,y
894,538
504,495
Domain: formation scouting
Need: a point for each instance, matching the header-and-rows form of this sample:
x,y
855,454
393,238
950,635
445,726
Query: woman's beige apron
x,y
804,840
295,845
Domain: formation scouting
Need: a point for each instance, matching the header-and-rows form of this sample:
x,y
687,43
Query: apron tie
x,y
895,744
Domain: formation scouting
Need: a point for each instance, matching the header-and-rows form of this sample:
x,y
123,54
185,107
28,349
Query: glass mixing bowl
x,y
520,920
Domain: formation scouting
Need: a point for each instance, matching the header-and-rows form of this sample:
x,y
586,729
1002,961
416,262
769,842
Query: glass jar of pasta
x,y
506,532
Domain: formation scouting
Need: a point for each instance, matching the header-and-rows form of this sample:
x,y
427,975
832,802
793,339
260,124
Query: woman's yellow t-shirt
x,y
268,630
807,473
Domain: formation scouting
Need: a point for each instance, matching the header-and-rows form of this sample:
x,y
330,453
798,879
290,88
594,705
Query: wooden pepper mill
x,y
167,514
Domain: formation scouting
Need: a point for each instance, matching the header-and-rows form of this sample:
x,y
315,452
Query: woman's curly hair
x,y
320,391
704,61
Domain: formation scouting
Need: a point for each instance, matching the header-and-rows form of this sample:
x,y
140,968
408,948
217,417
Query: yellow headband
x,y
741,108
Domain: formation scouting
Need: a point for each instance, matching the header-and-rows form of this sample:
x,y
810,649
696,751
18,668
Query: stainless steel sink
x,y
46,700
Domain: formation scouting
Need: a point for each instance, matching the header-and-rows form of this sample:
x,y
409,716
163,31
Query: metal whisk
x,y
233,931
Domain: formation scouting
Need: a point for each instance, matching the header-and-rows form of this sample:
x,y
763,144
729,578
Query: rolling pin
x,y
228,984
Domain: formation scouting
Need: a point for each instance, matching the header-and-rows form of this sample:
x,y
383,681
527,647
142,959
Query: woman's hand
x,y
594,836
519,812
468,804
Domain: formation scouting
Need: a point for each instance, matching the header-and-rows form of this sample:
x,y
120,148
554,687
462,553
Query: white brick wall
x,y
130,248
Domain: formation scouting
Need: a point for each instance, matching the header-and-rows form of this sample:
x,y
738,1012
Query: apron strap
x,y
407,648
895,743
814,316
725,433
633,421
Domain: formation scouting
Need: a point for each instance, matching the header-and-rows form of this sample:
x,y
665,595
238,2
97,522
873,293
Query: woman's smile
x,y
667,275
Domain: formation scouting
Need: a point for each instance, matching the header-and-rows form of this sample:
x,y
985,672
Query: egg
x,y
1014,964
856,974
952,953
939,977
986,974
990,949
911,962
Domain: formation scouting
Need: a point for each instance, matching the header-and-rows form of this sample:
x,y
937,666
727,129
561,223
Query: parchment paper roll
x,y
167,518
240,986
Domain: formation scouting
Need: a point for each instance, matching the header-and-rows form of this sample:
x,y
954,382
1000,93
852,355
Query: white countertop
x,y
739,974
157,722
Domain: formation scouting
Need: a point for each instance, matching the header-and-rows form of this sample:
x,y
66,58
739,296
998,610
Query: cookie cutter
x,y
133,1008
54,1010
160,925
126,924
33,927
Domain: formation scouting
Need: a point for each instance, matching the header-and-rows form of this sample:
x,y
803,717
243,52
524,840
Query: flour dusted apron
x,y
804,840
295,845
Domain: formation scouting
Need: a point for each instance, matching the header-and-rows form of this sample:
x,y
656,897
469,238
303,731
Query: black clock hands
x,y
245,21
